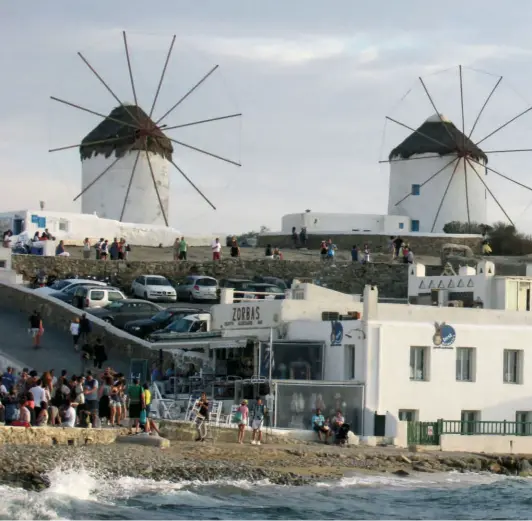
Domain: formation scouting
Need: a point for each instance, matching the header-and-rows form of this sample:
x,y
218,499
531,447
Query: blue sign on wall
x,y
42,222
337,333
444,335
35,219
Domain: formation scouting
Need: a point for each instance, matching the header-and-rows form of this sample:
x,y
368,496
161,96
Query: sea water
x,y
82,495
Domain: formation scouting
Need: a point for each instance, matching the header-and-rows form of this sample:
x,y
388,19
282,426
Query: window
x,y
63,226
415,189
97,295
523,423
206,282
157,281
414,226
407,415
350,361
465,357
114,295
401,226
419,363
513,362
470,421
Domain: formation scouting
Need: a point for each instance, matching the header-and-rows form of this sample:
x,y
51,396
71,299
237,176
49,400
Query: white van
x,y
95,297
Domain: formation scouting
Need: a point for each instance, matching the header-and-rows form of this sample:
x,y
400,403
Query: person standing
x,y
256,422
136,403
216,248
86,248
98,248
183,249
202,416
85,328
36,328
100,356
235,249
74,331
243,412
176,249
90,390
104,250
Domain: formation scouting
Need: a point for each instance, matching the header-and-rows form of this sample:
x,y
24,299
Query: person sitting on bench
x,y
319,426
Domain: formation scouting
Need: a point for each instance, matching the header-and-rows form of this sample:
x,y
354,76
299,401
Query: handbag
x,y
237,417
143,417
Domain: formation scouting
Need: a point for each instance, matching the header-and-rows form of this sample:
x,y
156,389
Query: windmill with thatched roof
x,y
437,174
126,158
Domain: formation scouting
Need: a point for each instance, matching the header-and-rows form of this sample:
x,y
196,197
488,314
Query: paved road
x,y
56,352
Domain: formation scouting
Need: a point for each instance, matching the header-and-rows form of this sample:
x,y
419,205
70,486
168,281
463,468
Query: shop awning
x,y
215,343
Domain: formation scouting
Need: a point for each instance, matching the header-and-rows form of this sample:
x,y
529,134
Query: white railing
x,y
255,295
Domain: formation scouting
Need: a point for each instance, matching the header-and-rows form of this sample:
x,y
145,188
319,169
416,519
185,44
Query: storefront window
x,y
293,361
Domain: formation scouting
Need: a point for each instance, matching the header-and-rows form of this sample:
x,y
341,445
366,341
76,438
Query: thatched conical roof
x,y
417,143
110,129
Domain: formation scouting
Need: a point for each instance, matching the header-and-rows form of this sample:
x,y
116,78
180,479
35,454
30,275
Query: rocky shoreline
x,y
28,466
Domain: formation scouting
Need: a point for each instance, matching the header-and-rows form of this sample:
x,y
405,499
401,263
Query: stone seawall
x,y
48,436
378,243
347,277
59,315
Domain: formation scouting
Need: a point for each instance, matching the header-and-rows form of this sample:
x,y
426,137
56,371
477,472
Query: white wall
x,y
442,396
344,223
106,196
80,226
403,174
490,444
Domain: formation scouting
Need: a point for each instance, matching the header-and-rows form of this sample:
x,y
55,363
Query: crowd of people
x,y
118,249
28,399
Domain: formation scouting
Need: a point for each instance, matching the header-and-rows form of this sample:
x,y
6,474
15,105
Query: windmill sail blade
x,y
129,185
155,184
102,174
130,69
162,76
88,144
428,180
483,107
437,111
93,112
201,151
420,133
444,196
202,121
501,175
490,192
194,186
498,129
104,83
186,95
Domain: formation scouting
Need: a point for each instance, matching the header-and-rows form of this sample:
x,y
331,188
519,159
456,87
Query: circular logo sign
x,y
444,335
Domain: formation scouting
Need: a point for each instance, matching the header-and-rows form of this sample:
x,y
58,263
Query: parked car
x,y
274,292
198,287
236,284
95,296
275,281
153,287
122,311
64,284
142,328
196,323
67,295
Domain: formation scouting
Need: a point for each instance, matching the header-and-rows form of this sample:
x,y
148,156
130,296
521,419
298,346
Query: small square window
x,y
415,189
401,226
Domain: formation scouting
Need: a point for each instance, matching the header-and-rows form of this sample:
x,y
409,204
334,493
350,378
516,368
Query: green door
x,y
423,433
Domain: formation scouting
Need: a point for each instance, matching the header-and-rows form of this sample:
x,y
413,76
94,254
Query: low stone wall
x,y
48,436
491,444
59,315
348,277
378,243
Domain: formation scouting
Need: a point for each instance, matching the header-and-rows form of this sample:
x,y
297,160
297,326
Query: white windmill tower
x,y
437,174
131,155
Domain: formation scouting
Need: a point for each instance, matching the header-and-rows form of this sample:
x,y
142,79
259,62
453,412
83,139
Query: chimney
x,y
371,300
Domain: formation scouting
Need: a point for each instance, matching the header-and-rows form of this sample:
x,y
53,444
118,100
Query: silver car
x,y
198,287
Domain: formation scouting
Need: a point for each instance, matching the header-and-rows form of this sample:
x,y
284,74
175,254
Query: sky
x,y
314,81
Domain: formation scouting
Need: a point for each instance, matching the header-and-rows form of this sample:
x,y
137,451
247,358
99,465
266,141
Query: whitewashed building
x,y
382,364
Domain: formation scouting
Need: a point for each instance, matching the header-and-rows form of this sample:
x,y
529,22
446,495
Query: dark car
x,y
68,294
273,292
122,311
275,281
142,328
236,284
